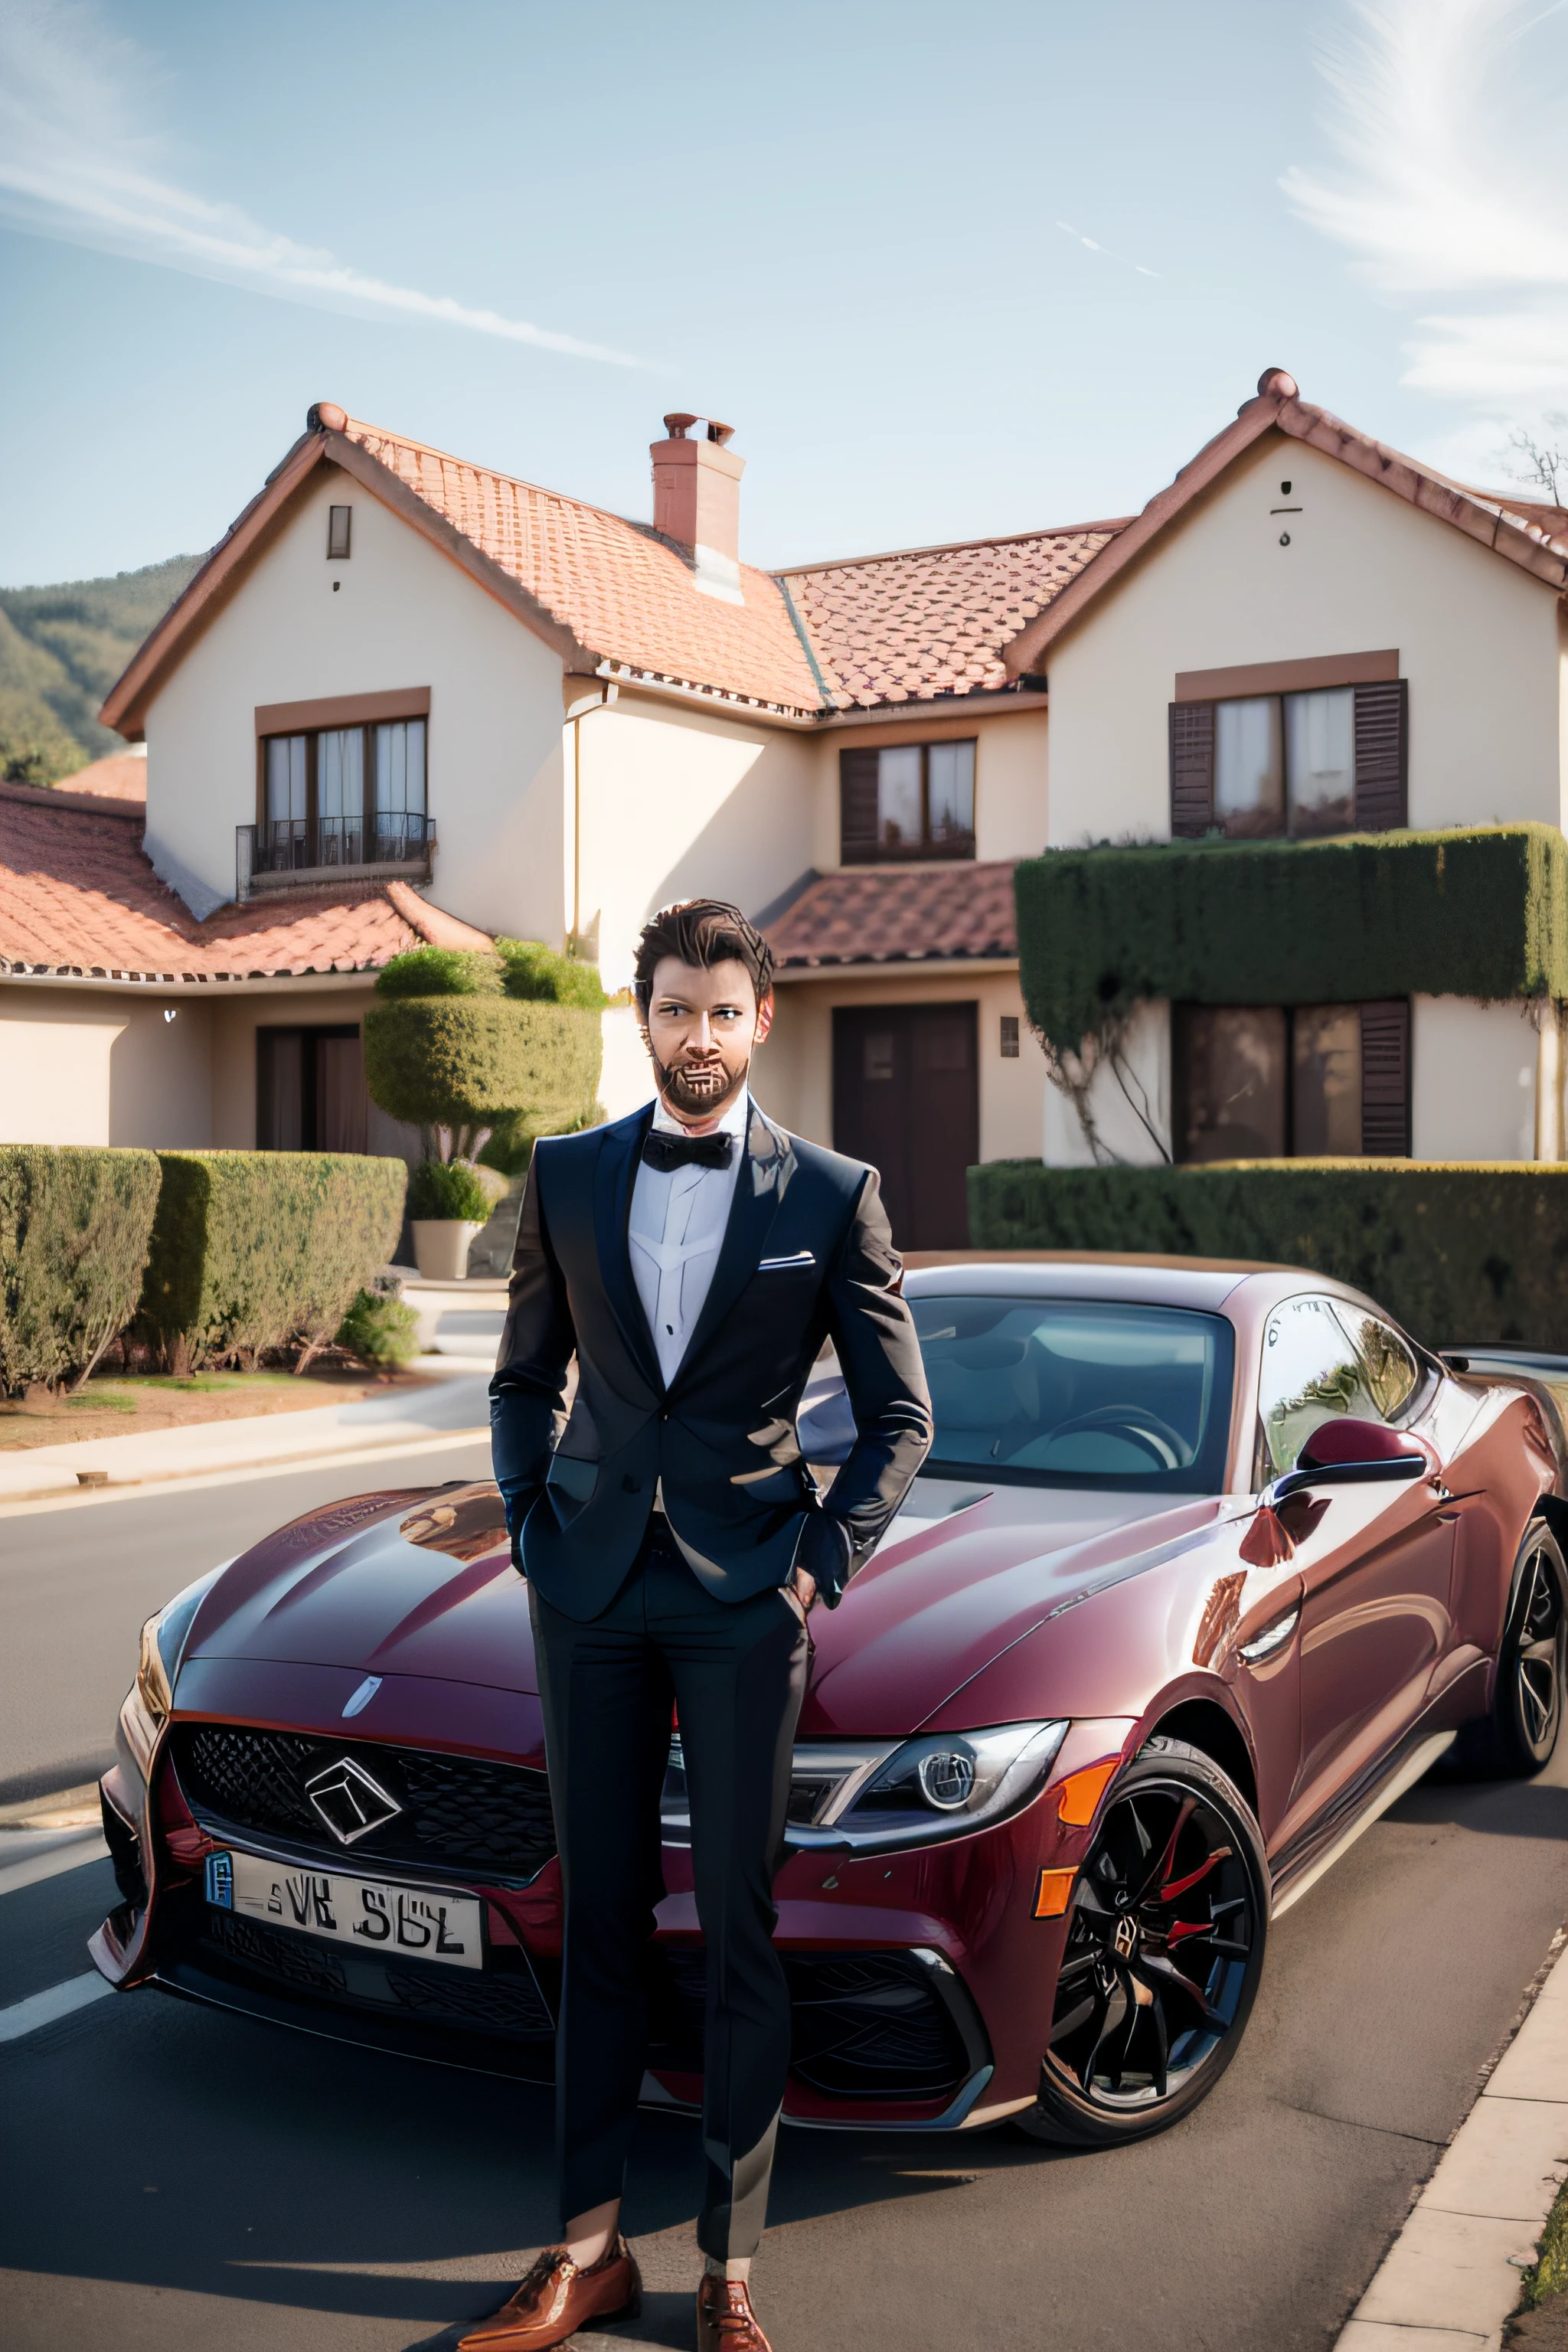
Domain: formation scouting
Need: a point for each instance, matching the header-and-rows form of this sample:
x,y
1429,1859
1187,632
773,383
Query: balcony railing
x,y
296,845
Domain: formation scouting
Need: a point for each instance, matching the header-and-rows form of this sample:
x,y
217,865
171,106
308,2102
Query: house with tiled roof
x,y
408,696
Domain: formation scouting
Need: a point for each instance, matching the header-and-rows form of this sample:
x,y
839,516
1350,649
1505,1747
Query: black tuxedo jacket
x,y
806,1255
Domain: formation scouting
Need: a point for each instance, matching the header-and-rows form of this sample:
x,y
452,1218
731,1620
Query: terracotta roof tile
x,y
79,897
933,620
624,593
122,776
865,914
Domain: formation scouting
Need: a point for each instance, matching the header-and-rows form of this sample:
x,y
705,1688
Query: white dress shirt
x,y
675,1230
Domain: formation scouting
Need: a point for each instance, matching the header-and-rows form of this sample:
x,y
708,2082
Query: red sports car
x,y
1206,1566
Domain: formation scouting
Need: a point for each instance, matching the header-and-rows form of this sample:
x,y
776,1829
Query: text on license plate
x,y
419,1922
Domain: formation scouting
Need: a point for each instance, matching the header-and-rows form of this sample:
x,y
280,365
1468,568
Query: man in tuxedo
x,y
694,1259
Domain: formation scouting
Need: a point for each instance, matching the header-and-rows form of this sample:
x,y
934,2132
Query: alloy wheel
x,y
1162,1954
1537,1653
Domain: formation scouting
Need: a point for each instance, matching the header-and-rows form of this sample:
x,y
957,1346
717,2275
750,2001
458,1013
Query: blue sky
x,y
948,271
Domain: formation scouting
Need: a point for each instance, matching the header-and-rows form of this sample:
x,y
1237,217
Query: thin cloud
x,y
1447,120
71,167
1094,245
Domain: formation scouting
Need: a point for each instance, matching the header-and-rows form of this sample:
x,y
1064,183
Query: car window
x,y
1077,1392
1391,1373
1311,1373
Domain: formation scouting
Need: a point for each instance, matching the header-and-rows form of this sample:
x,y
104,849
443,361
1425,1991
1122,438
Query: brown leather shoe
x,y
556,2299
725,2320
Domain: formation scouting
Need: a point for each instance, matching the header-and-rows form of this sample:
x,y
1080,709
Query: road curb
x,y
148,1483
1452,2276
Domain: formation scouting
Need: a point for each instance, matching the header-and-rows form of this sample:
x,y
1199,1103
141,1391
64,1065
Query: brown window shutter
x,y
1192,769
1386,1080
1381,755
858,772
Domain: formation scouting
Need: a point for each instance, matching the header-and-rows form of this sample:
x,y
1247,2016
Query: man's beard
x,y
685,1100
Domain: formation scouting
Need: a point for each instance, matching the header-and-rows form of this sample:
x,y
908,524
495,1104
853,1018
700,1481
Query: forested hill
x,y
61,649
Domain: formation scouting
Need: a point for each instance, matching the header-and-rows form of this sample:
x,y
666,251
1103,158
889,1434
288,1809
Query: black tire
x,y
1139,2033
1517,1737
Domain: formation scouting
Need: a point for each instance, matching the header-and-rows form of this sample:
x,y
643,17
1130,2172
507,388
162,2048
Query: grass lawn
x,y
122,1405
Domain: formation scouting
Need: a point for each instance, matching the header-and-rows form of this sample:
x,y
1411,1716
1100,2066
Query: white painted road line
x,y
60,1854
44,2008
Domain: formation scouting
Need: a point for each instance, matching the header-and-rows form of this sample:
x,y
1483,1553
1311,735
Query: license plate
x,y
418,1922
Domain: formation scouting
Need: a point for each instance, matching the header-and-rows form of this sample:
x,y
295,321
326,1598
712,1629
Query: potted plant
x,y
448,1203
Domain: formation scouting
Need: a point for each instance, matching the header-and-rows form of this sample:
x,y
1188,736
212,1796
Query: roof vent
x,y
697,501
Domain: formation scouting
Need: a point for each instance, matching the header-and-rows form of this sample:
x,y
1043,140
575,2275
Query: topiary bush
x,y
1469,1252
449,1188
76,1224
461,1041
534,973
380,1330
252,1250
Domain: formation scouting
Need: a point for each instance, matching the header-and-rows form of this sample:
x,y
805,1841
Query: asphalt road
x,y
178,2178
78,1582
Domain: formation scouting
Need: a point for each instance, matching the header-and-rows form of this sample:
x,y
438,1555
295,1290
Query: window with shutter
x,y
858,772
1192,769
1381,755
1386,1080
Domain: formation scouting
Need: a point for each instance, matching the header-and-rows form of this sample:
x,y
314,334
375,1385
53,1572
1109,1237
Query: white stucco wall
x,y
397,614
1011,776
1111,1103
1478,640
678,803
104,1067
1472,1080
794,1071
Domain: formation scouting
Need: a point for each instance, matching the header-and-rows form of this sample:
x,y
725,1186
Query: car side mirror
x,y
1348,1451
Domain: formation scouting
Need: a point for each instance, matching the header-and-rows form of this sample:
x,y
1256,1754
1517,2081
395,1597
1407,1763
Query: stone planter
x,y
441,1247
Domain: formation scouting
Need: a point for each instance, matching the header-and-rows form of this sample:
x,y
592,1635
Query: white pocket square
x,y
778,1265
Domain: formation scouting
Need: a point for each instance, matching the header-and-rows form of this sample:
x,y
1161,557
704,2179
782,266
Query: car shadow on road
x,y
185,2151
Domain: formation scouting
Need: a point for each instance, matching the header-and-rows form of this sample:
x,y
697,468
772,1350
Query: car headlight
x,y
945,1785
163,1639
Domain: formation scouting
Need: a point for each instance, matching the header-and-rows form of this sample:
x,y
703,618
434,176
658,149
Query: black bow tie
x,y
668,1152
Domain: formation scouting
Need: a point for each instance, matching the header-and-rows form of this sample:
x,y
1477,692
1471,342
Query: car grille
x,y
466,1814
502,2002
864,2025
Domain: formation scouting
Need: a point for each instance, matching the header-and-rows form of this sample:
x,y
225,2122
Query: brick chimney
x,y
697,501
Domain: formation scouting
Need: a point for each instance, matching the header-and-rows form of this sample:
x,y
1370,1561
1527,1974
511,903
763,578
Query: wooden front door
x,y
906,1097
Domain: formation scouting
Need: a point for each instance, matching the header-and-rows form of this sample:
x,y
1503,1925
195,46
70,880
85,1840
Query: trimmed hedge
x,y
253,1249
75,1223
449,1189
534,973
1479,912
1472,1251
458,1061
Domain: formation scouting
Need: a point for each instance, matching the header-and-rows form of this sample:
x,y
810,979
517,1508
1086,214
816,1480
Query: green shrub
x,y
447,1188
253,1249
510,1147
1479,912
380,1330
447,1061
441,972
1460,1252
538,974
75,1226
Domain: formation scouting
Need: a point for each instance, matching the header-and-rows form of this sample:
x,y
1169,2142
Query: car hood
x,y
422,1584
416,1584
962,1574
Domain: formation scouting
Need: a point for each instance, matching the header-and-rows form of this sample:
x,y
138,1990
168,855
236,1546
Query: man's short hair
x,y
701,932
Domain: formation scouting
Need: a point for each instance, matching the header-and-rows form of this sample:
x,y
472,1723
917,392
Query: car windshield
x,y
1077,1392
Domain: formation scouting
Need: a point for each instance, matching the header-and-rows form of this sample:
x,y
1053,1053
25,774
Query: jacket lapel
x,y
766,1169
613,1179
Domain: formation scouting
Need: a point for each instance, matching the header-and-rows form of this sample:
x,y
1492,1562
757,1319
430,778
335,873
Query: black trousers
x,y
736,1671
